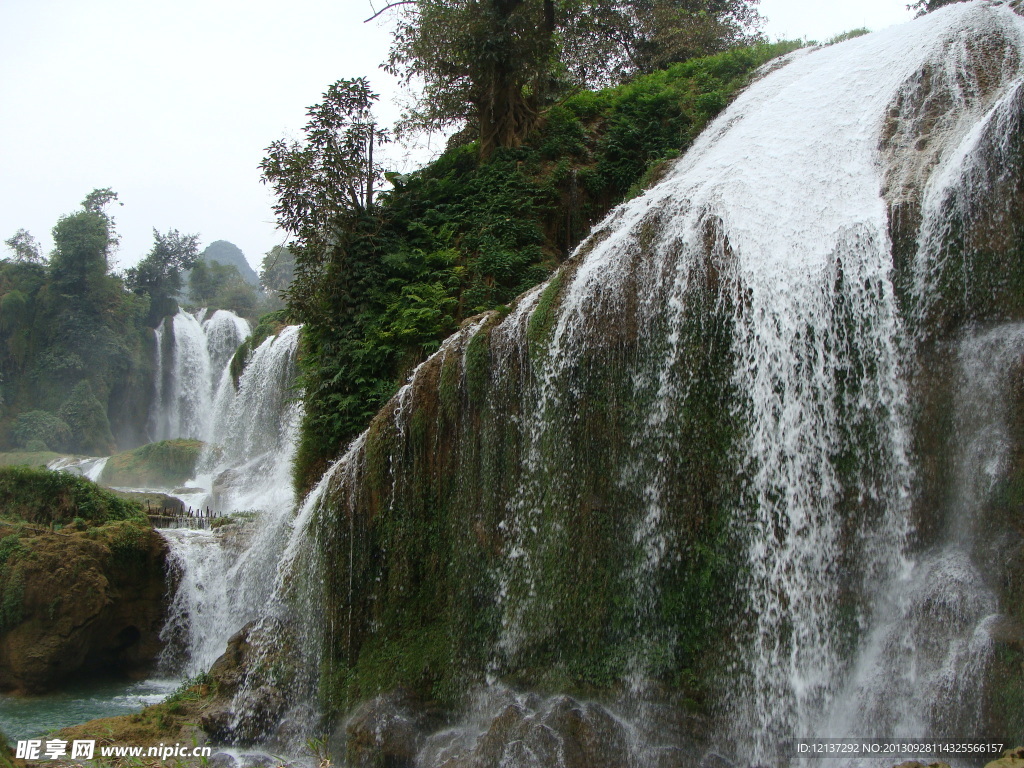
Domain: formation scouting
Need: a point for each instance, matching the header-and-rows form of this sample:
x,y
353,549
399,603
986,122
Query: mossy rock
x,y
167,464
79,602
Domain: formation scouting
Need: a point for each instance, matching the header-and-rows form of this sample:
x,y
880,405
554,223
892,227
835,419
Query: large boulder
x,y
386,730
79,601
524,729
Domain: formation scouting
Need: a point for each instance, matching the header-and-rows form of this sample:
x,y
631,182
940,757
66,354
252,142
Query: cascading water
x,y
90,468
226,576
740,342
920,663
191,355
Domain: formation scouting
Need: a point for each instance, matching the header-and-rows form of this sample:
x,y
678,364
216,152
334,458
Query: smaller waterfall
x,y
227,575
224,332
191,357
90,468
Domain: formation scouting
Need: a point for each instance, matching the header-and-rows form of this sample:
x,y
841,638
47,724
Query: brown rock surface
x,y
88,601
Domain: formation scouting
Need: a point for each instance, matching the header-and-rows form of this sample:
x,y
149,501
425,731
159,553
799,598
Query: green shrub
x,y
42,497
87,420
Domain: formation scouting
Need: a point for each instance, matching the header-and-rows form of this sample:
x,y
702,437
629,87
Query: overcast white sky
x,y
172,104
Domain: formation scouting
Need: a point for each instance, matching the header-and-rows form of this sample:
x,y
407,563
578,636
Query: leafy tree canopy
x,y
277,270
159,273
495,64
82,244
25,247
220,285
331,172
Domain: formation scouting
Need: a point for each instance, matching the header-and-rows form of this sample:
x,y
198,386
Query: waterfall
x,y
920,664
90,468
225,576
744,342
191,356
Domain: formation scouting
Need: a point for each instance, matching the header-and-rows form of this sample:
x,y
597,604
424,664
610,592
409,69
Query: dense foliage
x,y
495,64
74,346
43,497
159,274
464,235
277,270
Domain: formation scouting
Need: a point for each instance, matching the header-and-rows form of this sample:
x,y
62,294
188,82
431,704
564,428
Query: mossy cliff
x,y
82,584
424,540
687,468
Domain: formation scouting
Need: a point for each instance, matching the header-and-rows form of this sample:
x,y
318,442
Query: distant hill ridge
x,y
224,252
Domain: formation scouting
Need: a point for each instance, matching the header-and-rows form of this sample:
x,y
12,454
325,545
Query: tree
x,y
485,62
495,64
26,248
87,422
331,174
82,244
622,38
159,273
220,285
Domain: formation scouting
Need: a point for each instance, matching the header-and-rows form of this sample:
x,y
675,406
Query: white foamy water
x,y
226,576
191,355
90,467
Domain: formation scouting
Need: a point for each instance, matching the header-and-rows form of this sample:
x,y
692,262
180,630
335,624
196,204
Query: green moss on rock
x,y
166,464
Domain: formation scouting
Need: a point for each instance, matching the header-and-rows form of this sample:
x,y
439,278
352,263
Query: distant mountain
x,y
223,252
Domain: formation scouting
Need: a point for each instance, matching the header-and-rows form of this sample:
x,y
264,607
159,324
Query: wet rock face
x,y
387,730
560,732
398,730
246,665
88,602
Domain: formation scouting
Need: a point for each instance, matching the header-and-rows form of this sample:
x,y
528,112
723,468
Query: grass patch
x,y
28,458
44,497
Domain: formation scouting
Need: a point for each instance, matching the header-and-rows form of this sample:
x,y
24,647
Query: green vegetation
x,y
277,271
27,458
844,36
166,464
159,274
464,235
74,345
43,497
495,65
220,286
36,430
